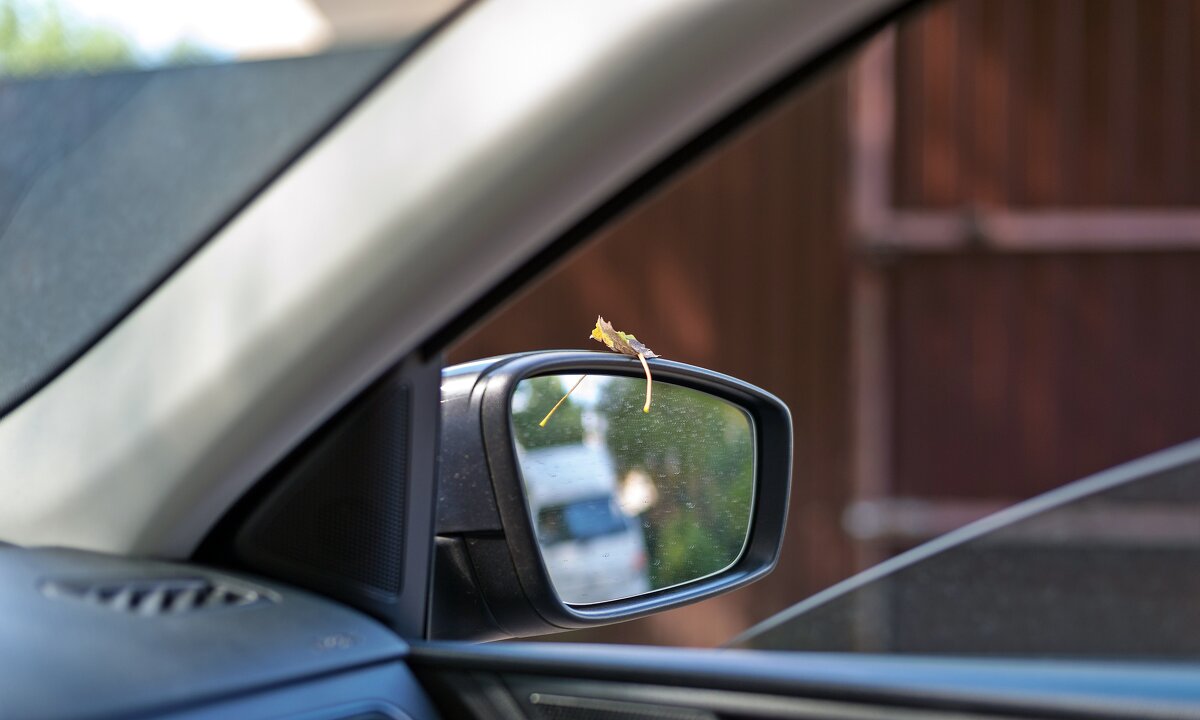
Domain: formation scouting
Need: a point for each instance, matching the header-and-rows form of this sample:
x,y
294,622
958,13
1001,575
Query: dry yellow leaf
x,y
617,341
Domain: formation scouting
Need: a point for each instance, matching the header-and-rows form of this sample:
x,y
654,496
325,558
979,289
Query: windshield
x,y
132,133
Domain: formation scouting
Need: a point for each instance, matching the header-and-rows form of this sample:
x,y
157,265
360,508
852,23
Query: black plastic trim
x,y
1021,687
405,611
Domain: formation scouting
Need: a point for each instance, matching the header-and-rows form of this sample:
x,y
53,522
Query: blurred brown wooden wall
x,y
927,353
1055,361
1035,103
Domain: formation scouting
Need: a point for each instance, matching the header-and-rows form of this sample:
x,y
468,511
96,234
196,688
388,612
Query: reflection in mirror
x,y
626,502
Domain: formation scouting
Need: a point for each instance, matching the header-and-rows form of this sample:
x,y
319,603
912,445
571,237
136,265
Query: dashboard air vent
x,y
158,596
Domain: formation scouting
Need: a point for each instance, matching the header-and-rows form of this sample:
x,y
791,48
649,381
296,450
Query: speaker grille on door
x,y
337,516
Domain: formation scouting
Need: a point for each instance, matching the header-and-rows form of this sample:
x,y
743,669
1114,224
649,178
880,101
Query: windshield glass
x,y
1102,568
132,133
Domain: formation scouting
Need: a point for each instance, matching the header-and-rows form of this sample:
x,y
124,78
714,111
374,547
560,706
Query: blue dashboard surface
x,y
89,635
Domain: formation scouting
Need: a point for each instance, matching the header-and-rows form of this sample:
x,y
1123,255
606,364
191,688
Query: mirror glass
x,y
624,501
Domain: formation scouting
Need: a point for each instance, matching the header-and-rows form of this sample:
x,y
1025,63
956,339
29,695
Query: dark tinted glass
x,y
108,182
1112,574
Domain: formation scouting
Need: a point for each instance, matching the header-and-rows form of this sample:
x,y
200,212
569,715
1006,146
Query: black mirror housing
x,y
490,581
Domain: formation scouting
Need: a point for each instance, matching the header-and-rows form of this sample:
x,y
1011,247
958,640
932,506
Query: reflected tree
x,y
698,452
40,39
565,428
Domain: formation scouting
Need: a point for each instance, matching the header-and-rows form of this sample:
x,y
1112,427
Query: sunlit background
x,y
63,36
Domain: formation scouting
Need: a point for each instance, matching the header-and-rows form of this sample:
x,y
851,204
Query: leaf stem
x,y
646,367
564,398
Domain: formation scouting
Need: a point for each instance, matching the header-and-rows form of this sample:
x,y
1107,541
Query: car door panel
x,y
563,681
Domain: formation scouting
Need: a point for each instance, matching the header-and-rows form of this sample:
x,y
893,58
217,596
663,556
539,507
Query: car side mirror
x,y
597,511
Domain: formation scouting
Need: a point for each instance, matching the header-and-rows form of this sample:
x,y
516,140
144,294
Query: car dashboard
x,y
91,635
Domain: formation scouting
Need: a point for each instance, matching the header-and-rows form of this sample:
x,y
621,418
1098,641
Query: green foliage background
x,y
43,38
699,452
565,428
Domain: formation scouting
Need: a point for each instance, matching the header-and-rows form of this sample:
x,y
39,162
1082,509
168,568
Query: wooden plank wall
x,y
1014,373
1034,103
740,266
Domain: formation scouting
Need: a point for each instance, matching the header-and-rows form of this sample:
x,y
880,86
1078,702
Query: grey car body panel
x,y
509,125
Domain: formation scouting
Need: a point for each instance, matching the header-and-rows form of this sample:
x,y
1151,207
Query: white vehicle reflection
x,y
593,551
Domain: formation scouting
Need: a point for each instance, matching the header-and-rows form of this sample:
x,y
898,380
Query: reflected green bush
x,y
698,451
565,428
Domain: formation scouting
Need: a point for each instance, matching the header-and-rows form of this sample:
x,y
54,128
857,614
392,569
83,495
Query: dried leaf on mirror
x,y
626,344
617,341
